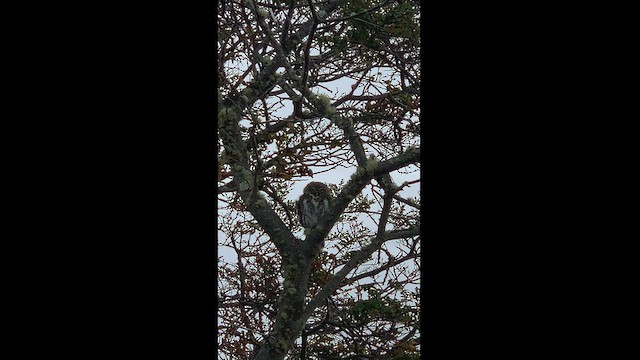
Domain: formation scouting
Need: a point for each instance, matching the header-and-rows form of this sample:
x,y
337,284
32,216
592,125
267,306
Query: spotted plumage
x,y
313,204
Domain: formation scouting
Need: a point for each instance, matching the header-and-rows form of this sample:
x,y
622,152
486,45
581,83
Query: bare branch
x,y
356,260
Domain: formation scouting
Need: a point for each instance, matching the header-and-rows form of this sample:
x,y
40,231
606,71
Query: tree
x,y
348,287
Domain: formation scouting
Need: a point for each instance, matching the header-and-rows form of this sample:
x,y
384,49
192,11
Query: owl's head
x,y
317,189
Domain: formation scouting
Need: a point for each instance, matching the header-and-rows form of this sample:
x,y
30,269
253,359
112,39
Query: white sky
x,y
338,89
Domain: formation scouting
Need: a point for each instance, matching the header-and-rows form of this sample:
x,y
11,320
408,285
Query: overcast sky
x,y
336,89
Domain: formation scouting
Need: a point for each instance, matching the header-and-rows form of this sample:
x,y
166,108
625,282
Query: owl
x,y
313,204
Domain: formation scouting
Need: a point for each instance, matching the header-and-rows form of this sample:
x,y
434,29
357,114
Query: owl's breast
x,y
312,210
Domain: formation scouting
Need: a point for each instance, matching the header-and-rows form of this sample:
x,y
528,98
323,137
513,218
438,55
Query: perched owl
x,y
313,204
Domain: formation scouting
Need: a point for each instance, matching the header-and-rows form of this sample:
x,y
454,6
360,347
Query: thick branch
x,y
244,180
406,201
358,150
392,262
358,181
365,97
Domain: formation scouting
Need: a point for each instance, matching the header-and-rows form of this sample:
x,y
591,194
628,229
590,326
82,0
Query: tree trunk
x,y
288,325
